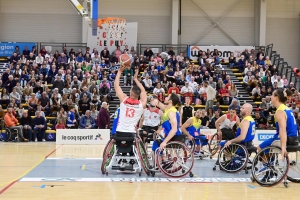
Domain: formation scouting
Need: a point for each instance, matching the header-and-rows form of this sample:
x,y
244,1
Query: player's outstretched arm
x,y
117,87
143,95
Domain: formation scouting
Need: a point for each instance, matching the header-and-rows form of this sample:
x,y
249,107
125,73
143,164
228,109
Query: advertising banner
x,y
113,35
7,48
224,51
82,136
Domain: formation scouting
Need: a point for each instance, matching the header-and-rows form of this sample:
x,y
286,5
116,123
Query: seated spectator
x,y
103,119
94,113
39,126
32,103
104,92
26,122
44,102
11,123
128,76
256,93
224,95
187,91
2,113
54,103
235,105
61,124
148,83
214,119
71,118
84,104
261,122
86,121
204,120
159,92
15,95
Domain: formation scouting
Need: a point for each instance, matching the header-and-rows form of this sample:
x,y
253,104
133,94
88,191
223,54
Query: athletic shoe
x,y
35,140
44,140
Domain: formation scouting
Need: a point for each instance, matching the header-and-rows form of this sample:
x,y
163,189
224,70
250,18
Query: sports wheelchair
x,y
203,142
269,168
8,134
235,157
125,153
176,160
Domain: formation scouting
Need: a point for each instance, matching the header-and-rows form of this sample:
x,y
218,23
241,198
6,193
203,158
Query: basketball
x,y
125,59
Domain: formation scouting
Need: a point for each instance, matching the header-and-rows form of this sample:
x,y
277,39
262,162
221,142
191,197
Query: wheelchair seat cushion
x,y
179,138
128,137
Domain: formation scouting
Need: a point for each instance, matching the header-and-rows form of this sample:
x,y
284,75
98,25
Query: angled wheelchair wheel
x,y
214,144
233,158
104,150
268,168
175,160
110,150
143,156
190,144
293,174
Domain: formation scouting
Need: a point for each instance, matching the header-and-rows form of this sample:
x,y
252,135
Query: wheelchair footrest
x,y
123,168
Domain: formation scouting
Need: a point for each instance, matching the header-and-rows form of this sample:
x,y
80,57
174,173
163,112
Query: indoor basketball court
x,y
67,168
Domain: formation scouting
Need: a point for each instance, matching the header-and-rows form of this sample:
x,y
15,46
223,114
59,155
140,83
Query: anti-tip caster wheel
x,y
152,174
140,174
286,184
106,173
191,174
214,168
246,172
252,179
210,157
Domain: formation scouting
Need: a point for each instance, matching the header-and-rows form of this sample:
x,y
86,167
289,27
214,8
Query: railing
x,y
158,48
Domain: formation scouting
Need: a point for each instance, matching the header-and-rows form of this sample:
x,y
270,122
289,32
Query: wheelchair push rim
x,y
272,170
233,158
178,160
107,158
142,153
214,144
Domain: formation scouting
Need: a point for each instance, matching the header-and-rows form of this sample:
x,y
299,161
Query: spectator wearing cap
x,y
103,119
86,121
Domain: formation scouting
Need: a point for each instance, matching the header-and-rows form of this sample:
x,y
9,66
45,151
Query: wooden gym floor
x,y
17,160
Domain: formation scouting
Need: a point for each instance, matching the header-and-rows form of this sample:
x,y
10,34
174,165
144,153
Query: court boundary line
x,y
12,182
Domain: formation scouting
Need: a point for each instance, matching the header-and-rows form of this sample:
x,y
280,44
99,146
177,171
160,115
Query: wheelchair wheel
x,y
110,150
233,158
214,144
293,174
175,160
268,169
190,144
104,150
6,135
143,156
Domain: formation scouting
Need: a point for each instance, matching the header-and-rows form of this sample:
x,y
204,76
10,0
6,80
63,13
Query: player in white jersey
x,y
225,124
131,108
150,120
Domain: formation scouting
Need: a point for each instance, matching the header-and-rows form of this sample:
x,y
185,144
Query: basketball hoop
x,y
115,26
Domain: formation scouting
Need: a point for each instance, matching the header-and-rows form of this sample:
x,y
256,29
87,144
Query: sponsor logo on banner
x,y
264,136
224,51
8,48
82,136
110,34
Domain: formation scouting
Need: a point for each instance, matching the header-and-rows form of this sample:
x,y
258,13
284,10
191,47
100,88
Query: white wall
x,y
239,22
39,21
153,17
283,24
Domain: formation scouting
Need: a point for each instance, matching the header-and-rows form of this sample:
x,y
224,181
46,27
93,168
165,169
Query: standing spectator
x,y
26,122
86,121
211,94
39,126
71,121
103,119
11,123
186,111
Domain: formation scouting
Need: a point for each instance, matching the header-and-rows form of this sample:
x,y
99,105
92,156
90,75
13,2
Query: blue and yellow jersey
x,y
194,128
251,130
165,122
115,122
291,124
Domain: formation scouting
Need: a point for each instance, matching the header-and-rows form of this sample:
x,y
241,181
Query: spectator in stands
x,y
103,119
186,111
232,60
187,91
148,53
233,92
211,95
59,84
128,76
39,60
60,124
214,119
15,95
5,97
2,113
295,109
204,120
9,84
104,92
256,93
62,115
11,123
234,105
261,122
84,103
54,103
71,121
94,113
32,103
86,121
39,126
242,63
148,83
26,122
26,51
62,60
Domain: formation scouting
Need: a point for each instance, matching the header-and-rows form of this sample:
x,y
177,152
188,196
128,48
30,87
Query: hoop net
x,y
115,26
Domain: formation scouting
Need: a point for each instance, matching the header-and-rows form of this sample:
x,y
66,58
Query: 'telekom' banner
x,y
224,51
106,38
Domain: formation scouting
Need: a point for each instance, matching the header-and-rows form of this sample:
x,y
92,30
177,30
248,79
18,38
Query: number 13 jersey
x,y
131,111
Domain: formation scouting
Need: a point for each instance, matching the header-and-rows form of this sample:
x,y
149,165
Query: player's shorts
x,y
201,140
156,143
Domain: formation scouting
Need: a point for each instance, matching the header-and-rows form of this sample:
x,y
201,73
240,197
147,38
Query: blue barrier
x,y
8,48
